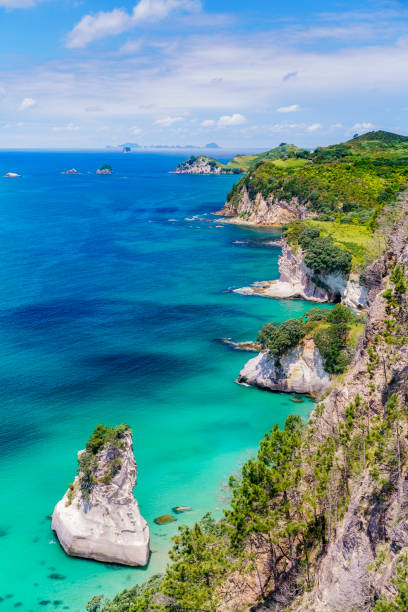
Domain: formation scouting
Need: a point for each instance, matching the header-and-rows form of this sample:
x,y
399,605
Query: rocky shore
x,y
298,281
98,517
300,370
260,211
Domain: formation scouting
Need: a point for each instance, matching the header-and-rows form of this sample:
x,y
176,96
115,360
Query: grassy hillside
x,y
283,155
352,179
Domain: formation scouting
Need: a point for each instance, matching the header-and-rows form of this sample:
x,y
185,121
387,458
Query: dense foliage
x,y
351,179
321,254
329,329
278,339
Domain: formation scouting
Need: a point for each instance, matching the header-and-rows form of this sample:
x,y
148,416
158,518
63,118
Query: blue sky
x,y
91,73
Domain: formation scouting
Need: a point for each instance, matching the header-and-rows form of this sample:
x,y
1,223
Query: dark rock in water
x,y
164,519
180,509
3,533
57,602
56,576
44,602
298,400
18,604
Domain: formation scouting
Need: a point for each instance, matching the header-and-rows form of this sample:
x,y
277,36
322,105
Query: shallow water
x,y
110,309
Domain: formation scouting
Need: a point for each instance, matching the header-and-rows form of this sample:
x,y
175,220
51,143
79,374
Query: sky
x,y
95,73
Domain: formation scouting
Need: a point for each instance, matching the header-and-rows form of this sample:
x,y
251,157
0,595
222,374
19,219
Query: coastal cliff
x,y
98,517
300,370
259,210
297,280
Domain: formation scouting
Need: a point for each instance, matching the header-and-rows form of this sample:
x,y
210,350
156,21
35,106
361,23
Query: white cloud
x,y
93,27
336,125
361,127
288,109
168,121
26,104
231,120
207,123
70,127
135,130
314,127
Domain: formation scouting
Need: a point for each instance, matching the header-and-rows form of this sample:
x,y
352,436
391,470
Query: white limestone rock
x,y
108,526
295,281
260,211
300,370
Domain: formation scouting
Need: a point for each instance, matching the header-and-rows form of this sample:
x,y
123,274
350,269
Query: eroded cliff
x,y
98,517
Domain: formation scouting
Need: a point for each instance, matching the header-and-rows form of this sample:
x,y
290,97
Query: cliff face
x,y
360,560
107,524
261,211
300,370
298,281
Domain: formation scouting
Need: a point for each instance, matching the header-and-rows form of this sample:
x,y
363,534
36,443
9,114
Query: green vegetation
x,y
398,603
103,438
350,182
278,339
321,254
106,167
286,503
285,155
213,163
335,333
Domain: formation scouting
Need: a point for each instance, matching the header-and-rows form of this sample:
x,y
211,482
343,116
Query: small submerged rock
x,y
164,519
298,400
180,509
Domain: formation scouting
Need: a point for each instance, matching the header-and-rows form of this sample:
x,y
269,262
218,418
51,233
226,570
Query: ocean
x,y
115,291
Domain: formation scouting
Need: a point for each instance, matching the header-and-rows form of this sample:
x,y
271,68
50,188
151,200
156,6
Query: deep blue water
x,y
114,290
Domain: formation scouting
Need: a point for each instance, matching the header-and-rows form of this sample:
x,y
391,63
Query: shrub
x,y
278,339
323,257
307,236
317,314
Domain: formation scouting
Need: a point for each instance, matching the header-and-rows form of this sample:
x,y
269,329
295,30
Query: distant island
x,y
204,165
129,147
105,169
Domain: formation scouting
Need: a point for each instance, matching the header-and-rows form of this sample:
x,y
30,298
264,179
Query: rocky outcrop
x,y
12,175
71,171
300,370
298,281
104,523
261,211
202,165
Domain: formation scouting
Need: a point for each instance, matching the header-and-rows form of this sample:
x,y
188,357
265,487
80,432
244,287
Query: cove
x,y
114,292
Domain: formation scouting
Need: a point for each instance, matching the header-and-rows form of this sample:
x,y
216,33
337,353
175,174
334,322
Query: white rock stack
x,y
103,521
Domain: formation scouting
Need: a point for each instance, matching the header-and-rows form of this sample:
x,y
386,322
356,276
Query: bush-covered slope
x,y
353,179
317,519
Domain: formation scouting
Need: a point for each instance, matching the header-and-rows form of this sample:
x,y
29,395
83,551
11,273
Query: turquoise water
x,y
110,309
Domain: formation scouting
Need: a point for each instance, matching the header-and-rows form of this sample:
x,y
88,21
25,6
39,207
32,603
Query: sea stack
x,y
12,175
98,517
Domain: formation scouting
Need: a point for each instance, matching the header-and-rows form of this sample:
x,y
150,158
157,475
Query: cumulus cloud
x,y
336,125
26,104
109,23
70,127
168,121
135,130
231,120
207,123
363,127
314,127
288,109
